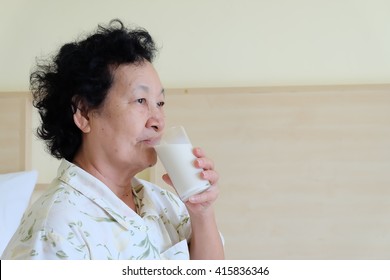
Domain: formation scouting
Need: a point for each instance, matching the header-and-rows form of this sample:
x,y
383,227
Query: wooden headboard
x,y
15,131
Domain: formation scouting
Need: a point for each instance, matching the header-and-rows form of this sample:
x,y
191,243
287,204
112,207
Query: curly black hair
x,y
82,70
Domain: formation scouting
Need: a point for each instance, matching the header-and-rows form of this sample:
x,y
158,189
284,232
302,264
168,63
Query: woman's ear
x,y
81,118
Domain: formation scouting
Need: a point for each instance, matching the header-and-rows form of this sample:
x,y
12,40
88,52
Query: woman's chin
x,y
152,158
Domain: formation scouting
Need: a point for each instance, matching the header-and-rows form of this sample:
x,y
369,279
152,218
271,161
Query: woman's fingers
x,y
202,161
210,175
208,196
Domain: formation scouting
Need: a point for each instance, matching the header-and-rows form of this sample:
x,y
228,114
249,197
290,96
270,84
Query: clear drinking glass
x,y
175,153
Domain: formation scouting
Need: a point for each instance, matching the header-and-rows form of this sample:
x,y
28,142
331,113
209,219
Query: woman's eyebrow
x,y
147,89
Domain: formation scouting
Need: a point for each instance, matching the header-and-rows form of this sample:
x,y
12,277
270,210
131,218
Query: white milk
x,y
178,161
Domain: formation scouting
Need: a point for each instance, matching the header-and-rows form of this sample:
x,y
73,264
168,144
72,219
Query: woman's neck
x,y
117,180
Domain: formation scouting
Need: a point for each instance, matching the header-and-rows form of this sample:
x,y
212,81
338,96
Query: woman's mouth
x,y
151,141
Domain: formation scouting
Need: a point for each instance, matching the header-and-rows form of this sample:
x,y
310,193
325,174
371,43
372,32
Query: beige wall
x,y
216,43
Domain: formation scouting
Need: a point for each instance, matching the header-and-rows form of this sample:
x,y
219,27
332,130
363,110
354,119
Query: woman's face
x,y
131,120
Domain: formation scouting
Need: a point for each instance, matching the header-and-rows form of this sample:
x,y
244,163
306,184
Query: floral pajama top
x,y
79,217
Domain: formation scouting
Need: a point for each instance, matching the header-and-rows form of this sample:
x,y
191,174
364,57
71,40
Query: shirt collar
x,y
99,193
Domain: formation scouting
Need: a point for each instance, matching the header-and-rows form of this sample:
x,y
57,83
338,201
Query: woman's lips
x,y
152,141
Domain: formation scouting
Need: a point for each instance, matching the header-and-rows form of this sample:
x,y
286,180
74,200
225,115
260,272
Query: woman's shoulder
x,y
56,193
59,200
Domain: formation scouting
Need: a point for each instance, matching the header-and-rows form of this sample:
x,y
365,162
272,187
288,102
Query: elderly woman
x,y
101,104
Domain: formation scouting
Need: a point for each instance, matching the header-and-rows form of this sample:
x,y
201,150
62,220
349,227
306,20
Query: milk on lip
x,y
178,160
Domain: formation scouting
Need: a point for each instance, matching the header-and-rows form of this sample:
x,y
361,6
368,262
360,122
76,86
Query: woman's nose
x,y
156,119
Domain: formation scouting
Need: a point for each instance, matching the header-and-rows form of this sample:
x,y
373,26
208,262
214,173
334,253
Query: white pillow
x,y
15,193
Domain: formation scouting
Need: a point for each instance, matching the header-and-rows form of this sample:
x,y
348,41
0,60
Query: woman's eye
x,y
161,104
141,100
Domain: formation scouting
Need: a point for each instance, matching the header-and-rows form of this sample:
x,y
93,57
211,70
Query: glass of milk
x,y
175,153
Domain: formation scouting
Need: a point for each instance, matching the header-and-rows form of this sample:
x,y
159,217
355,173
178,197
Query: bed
x,y
304,170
